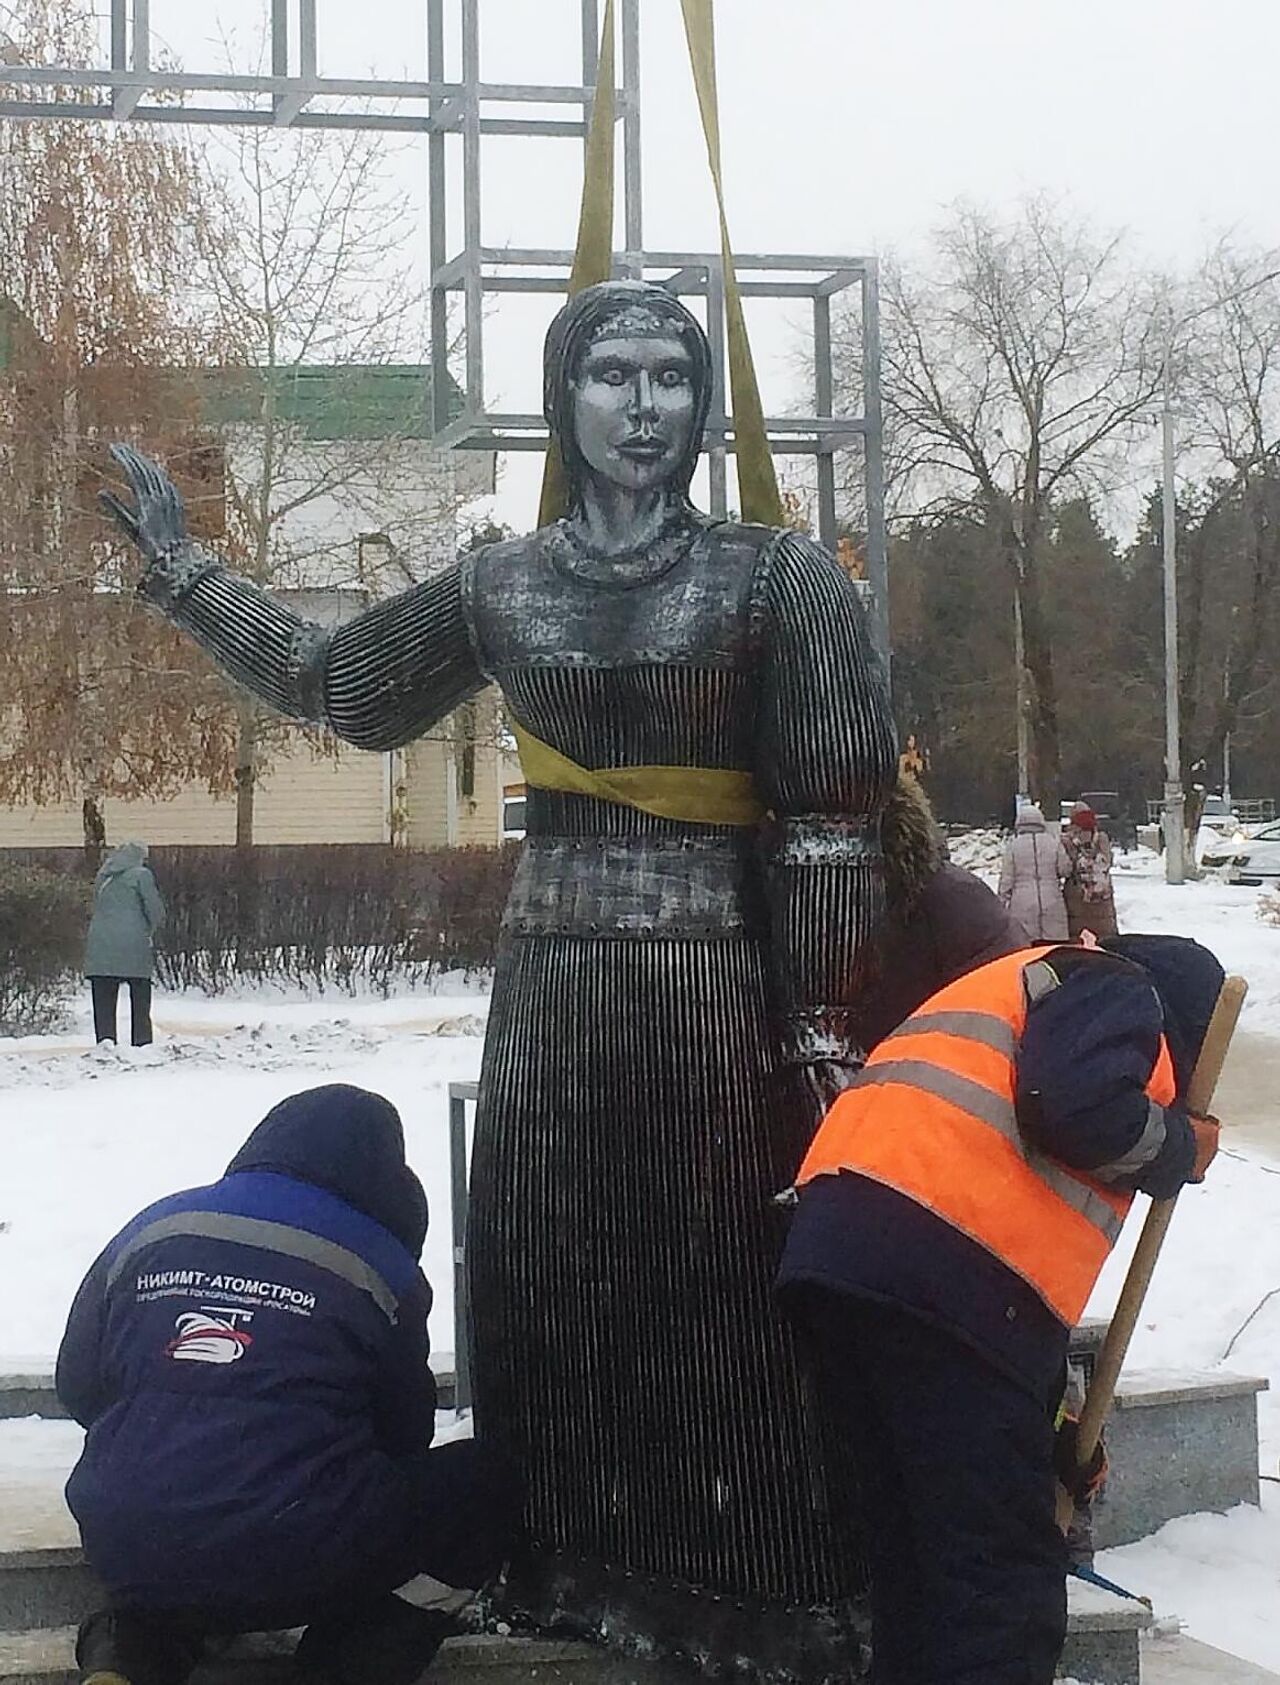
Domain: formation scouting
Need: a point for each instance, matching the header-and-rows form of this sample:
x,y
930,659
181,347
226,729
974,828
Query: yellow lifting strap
x,y
694,795
593,261
757,483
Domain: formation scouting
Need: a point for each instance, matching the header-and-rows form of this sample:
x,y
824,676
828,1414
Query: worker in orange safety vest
x,y
953,1214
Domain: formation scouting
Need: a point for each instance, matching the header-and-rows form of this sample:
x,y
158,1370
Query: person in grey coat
x,y
1035,863
127,911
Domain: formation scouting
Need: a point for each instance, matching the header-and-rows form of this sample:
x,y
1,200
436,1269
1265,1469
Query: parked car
x,y
1247,859
1220,816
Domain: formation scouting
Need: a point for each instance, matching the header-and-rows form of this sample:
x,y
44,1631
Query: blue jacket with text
x,y
250,1361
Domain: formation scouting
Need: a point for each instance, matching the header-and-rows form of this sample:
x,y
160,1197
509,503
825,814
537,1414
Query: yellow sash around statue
x,y
695,795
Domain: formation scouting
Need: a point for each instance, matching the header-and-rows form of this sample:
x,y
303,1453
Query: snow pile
x,y
257,1048
315,1047
978,851
1220,1574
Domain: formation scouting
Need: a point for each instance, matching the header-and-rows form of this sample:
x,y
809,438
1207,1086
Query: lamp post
x,y
1175,836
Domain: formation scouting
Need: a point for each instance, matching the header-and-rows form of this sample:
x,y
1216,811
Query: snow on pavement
x,y
1219,1574
89,1136
88,1139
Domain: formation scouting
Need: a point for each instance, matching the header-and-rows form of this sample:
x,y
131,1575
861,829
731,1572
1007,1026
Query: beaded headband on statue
x,y
636,321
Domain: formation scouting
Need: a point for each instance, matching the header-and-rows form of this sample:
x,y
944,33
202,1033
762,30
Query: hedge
x,y
318,915
43,918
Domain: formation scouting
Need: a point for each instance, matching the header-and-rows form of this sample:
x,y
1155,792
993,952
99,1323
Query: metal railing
x,y
460,1095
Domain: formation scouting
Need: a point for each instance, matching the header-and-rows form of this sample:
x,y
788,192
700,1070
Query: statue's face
x,y
633,409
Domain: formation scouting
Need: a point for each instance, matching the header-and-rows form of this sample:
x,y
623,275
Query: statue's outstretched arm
x,y
828,759
378,681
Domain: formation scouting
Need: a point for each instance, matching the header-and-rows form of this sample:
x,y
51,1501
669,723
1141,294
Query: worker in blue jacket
x,y
250,1361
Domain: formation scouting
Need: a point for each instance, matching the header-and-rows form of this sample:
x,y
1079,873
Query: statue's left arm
x,y
827,759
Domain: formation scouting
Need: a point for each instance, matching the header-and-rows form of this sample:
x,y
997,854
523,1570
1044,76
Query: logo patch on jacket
x,y
204,1337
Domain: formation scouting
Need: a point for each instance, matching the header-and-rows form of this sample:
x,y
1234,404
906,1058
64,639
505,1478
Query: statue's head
x,y
626,387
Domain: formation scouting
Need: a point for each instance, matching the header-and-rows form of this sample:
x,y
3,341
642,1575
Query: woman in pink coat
x,y
1035,863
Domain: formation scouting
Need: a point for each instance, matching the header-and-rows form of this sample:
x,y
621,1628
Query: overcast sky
x,y
850,126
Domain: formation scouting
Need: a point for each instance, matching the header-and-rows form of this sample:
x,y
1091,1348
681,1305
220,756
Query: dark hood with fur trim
x,y
941,921
913,844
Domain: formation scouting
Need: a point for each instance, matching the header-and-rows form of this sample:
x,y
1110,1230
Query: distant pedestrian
x,y
1088,890
127,912
1031,875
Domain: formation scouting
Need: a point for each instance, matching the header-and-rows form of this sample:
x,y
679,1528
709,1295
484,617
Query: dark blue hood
x,y
349,1142
1187,979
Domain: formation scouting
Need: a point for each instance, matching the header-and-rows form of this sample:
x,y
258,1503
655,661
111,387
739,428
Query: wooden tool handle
x,y
1115,1347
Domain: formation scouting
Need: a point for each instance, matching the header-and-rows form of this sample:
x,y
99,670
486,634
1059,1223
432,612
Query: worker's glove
x,y
825,1079
158,525
1206,1131
1083,1484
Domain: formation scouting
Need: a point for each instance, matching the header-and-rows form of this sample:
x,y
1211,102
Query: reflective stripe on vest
x,y
933,1115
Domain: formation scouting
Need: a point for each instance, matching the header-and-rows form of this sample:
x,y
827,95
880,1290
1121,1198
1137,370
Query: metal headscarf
x,y
588,316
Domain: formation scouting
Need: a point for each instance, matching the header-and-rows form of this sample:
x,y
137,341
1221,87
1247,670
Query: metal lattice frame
x,y
295,95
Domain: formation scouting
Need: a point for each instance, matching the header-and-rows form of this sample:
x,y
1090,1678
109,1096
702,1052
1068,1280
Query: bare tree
x,y
331,481
1228,372
97,237
1016,368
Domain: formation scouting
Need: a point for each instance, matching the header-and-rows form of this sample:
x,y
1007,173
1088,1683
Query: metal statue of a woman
x,y
707,740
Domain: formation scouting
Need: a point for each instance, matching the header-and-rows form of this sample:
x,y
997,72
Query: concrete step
x,y
1102,1649
1178,1445
48,1658
31,1393
1184,1661
1103,1633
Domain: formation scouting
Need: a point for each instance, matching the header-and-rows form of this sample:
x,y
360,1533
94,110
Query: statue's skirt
x,y
632,1134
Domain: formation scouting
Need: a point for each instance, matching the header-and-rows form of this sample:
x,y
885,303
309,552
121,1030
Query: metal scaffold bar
x,y
463,111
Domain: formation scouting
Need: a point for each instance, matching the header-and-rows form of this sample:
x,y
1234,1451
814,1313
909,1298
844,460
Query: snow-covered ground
x,y
88,1136
1218,1574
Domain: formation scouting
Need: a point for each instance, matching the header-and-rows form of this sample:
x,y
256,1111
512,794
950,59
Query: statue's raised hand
x,y
158,525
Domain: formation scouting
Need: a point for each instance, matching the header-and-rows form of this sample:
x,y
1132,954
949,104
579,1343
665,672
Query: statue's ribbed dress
x,y
641,1102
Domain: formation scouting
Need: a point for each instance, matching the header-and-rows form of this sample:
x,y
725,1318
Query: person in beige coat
x,y
1031,875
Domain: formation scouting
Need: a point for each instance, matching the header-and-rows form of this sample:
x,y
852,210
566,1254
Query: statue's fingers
x,y
120,512
135,466
154,477
146,476
173,504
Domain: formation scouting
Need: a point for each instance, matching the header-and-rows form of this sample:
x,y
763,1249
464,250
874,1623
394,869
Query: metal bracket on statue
x,y
825,1034
171,578
815,840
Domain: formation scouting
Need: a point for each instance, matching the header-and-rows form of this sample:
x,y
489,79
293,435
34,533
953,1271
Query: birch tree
x,y
1227,372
